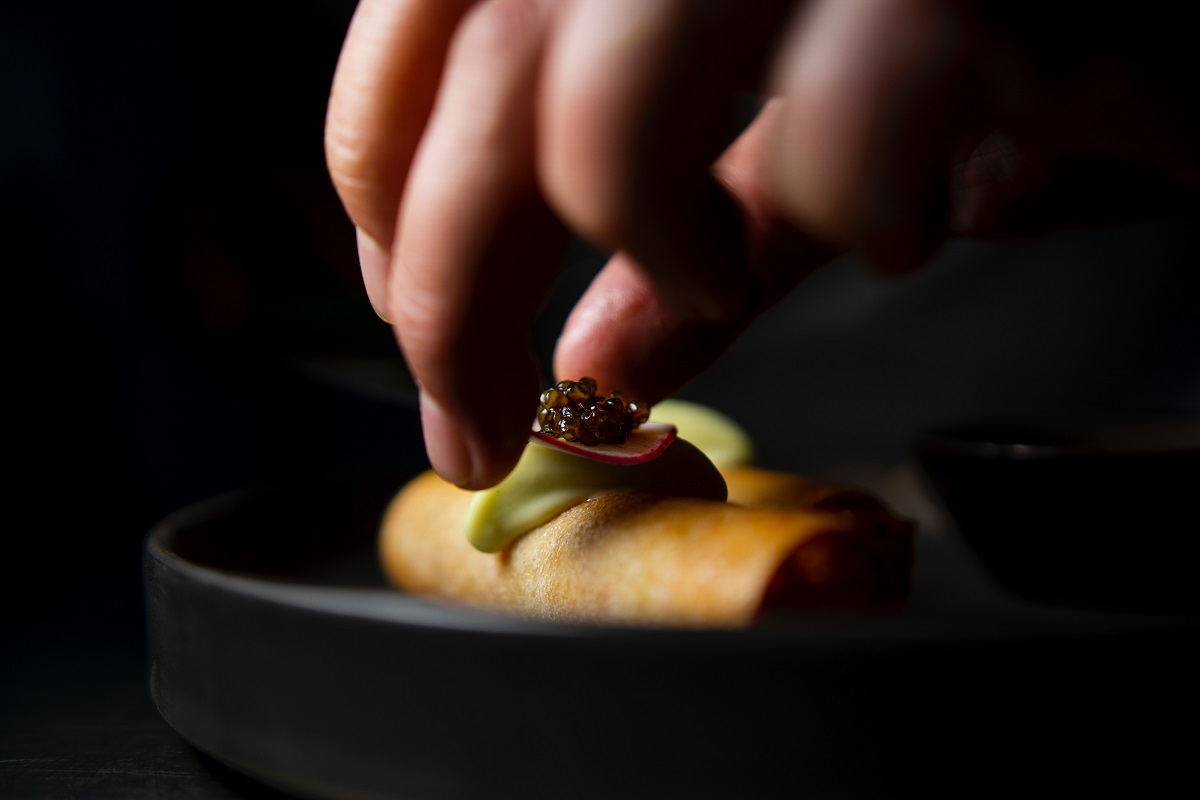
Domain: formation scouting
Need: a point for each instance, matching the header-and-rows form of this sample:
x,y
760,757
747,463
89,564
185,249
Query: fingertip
x,y
448,452
374,261
464,456
494,462
594,338
627,335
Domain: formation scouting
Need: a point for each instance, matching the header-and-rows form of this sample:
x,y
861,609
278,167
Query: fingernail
x,y
448,453
373,260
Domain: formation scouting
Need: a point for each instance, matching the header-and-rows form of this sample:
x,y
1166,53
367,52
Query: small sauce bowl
x,y
1103,515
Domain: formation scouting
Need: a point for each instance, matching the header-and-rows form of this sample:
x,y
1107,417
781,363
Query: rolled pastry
x,y
779,542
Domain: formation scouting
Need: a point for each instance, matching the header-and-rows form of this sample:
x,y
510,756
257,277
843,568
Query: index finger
x,y
383,90
476,249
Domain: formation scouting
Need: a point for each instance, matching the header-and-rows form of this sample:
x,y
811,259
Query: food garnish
x,y
588,446
547,481
573,412
644,444
611,429
721,438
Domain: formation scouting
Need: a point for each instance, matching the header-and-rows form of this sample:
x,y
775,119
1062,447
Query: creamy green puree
x,y
547,481
724,441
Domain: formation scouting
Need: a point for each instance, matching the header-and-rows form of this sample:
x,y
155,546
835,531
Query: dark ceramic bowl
x,y
276,646
1101,515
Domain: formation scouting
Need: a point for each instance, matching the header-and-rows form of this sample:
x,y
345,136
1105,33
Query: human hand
x,y
468,140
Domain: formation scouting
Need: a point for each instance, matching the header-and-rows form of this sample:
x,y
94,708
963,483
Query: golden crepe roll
x,y
679,541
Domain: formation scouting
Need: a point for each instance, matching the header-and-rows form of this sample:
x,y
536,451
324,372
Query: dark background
x,y
185,318
178,264
181,259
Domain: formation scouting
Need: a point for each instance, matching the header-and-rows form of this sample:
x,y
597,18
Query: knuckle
x,y
494,28
357,164
345,155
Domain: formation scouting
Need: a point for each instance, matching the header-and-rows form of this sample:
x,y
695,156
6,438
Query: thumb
x,y
626,335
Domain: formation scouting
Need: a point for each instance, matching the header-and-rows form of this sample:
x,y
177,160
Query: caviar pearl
x,y
571,410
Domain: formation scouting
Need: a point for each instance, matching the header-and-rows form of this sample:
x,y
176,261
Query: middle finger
x,y
639,100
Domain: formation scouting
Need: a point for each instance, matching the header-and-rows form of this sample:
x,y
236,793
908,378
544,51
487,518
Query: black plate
x,y
276,647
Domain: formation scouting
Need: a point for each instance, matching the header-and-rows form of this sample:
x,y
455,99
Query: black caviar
x,y
571,410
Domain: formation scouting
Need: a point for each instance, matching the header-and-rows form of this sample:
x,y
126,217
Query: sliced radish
x,y
646,443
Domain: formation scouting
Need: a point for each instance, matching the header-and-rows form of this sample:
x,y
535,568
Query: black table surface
x,y
76,716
